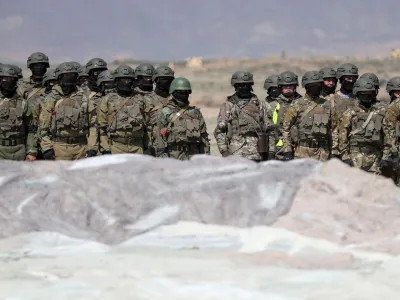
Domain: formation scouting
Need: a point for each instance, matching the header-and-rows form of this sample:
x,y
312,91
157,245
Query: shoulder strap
x,y
157,107
251,117
306,112
33,92
117,111
363,126
174,118
91,95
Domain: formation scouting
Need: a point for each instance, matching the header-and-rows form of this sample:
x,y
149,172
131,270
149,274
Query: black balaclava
x,y
92,80
162,86
366,99
243,90
8,85
124,86
38,70
181,97
314,91
68,82
274,91
327,90
106,86
346,86
145,83
49,85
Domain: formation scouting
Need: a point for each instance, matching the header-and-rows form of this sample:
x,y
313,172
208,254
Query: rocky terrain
x,y
136,227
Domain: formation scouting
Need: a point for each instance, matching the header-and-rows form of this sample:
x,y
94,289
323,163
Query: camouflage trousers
x,y
245,146
64,151
16,152
366,158
321,153
134,147
183,152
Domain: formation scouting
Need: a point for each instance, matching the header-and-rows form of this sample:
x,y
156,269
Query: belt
x,y
315,144
126,140
70,140
183,147
12,142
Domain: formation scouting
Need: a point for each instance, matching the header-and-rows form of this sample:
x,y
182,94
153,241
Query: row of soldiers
x,y
349,123
73,111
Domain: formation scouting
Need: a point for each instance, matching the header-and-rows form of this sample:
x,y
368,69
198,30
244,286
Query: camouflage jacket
x,y
361,126
391,129
27,88
307,120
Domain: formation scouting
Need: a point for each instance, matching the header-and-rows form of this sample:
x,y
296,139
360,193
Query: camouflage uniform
x,y
308,123
64,119
156,100
183,130
18,127
121,117
243,123
276,111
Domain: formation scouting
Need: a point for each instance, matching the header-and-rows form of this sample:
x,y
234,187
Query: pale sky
x,y
175,29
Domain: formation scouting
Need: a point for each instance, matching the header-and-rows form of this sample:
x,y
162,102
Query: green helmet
x,y
144,70
346,70
19,71
288,78
163,71
65,67
104,76
38,57
242,77
180,84
8,70
373,77
393,84
363,85
96,63
76,64
82,72
271,81
49,75
327,73
311,77
123,71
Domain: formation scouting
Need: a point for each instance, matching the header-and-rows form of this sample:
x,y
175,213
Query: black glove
x,y
105,152
287,156
91,153
349,162
335,156
49,155
271,156
385,165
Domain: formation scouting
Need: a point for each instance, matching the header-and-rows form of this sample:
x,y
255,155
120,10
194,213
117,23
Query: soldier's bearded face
x,y
288,90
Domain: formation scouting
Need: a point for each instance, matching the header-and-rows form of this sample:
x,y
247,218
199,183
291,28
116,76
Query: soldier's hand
x,y
225,154
49,155
287,156
106,152
349,162
91,153
335,156
30,157
271,156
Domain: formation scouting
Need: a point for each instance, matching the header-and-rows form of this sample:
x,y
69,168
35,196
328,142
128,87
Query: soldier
x,y
183,130
243,121
38,63
83,77
121,116
361,136
144,78
374,79
276,110
64,119
330,81
163,77
17,126
93,69
272,88
308,122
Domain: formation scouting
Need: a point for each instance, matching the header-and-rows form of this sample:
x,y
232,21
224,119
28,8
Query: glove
x,y
49,155
91,153
349,162
385,165
334,156
106,152
271,156
225,154
287,156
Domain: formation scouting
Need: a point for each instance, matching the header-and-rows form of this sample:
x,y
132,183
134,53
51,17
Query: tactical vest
x,y
125,116
278,118
12,117
314,125
342,104
367,128
248,120
185,128
70,114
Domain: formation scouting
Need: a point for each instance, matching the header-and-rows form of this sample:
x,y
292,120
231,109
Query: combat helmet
x,y
393,84
8,70
49,75
76,65
372,77
346,69
163,71
311,77
37,57
123,71
271,81
65,67
104,76
328,73
96,63
180,84
19,70
288,78
144,69
363,85
82,72
242,77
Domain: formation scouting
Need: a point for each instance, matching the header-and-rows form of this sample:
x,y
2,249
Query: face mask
x,y
366,99
124,85
329,89
314,91
347,86
108,85
69,79
38,70
163,83
9,84
145,83
243,91
181,98
274,92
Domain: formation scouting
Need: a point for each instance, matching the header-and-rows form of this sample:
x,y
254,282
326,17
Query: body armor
x,y
12,118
